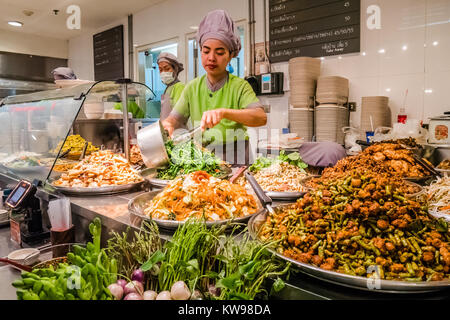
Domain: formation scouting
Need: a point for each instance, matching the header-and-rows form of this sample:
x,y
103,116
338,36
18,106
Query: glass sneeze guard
x,y
34,127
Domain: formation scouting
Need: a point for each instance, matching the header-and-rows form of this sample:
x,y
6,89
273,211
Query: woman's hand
x,y
168,125
211,118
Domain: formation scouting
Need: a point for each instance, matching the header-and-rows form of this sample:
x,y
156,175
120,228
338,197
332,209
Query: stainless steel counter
x,y
113,211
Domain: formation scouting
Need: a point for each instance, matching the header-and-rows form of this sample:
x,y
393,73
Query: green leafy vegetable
x,y
185,158
293,158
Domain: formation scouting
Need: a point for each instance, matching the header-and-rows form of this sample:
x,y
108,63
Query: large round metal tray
x,y
283,195
137,205
226,173
356,282
83,191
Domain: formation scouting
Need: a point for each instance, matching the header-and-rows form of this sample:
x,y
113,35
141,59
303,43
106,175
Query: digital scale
x,y
23,200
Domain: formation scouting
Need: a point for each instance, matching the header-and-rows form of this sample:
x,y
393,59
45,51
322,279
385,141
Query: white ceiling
x,y
43,22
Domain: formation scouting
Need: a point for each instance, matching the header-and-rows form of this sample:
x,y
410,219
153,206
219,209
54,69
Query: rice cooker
x,y
438,129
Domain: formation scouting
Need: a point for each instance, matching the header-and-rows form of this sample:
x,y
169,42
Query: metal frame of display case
x,y
80,93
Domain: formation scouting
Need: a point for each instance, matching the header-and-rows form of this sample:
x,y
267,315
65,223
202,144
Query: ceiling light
x,y
381,51
388,89
364,53
435,43
405,47
428,90
322,58
15,23
339,57
194,27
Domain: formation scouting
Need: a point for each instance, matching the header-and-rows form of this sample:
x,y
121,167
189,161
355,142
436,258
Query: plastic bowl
x,y
27,256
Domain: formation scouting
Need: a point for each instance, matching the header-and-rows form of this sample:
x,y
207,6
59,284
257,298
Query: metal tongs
x,y
64,153
426,166
83,153
186,136
266,201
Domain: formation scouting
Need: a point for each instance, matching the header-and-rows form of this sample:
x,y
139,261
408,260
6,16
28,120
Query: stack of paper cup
x,y
375,113
301,122
332,89
303,74
330,119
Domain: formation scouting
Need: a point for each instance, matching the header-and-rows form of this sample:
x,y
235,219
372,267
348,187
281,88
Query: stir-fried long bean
x,y
362,220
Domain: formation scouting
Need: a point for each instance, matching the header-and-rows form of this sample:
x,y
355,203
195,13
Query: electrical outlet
x,y
352,106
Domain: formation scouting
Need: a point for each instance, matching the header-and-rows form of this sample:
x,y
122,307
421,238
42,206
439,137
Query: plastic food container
x,y
27,256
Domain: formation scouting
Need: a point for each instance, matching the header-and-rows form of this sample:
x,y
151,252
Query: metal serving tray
x,y
283,195
357,282
83,191
137,205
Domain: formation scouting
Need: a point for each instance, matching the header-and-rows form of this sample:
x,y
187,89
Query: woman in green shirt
x,y
169,69
133,107
219,101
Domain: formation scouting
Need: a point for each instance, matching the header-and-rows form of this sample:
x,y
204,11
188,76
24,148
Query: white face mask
x,y
167,77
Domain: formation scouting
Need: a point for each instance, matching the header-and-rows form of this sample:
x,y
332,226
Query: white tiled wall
x,y
415,37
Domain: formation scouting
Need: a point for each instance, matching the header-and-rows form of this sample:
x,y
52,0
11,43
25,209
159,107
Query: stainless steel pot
x,y
151,141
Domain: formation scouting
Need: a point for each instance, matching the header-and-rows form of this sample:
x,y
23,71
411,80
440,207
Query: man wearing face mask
x,y
169,68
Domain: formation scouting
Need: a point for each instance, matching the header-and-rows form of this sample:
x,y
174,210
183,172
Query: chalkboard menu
x,y
313,28
108,54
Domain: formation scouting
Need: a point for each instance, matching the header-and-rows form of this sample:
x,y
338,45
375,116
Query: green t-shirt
x,y
133,107
175,92
197,98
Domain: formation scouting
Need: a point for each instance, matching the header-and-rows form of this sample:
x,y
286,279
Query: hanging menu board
x,y
313,28
108,54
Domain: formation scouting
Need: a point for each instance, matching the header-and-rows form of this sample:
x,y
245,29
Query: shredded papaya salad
x,y
201,196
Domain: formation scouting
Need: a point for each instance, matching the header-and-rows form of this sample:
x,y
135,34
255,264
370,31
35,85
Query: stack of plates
x,y
332,89
301,122
330,119
377,107
303,74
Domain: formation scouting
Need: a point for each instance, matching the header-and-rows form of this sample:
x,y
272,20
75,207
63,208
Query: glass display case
x,y
34,127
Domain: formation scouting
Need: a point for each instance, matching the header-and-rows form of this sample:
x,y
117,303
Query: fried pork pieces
x,y
362,220
387,158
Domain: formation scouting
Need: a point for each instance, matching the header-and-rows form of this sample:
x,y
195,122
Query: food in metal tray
x,y
389,158
439,195
201,195
64,165
444,165
135,155
350,224
22,160
281,174
102,168
76,144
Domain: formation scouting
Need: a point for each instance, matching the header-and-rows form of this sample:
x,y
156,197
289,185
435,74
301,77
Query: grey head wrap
x,y
218,25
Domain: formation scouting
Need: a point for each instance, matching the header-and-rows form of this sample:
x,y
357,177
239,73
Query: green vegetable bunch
x,y
244,268
220,265
86,276
131,250
291,158
186,158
